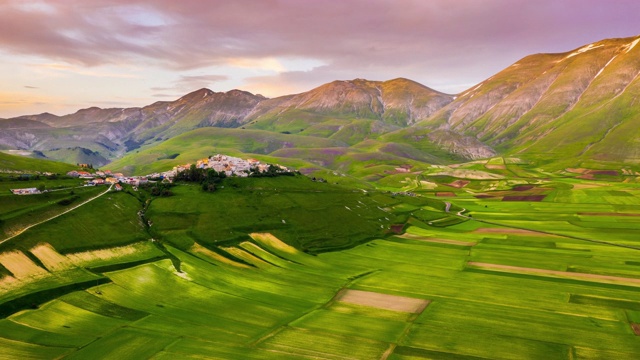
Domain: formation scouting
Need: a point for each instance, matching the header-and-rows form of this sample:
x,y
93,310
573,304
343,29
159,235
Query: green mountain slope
x,y
27,164
577,106
350,110
345,111
581,104
204,142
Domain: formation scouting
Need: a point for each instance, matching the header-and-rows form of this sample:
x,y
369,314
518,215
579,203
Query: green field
x,y
512,267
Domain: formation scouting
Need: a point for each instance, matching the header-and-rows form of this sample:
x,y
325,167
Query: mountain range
x,y
581,106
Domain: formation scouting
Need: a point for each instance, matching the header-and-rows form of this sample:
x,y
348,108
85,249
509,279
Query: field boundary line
x,y
55,216
601,242
608,279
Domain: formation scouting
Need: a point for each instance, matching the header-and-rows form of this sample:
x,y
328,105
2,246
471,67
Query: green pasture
x,y
107,221
8,182
235,296
309,215
19,163
18,211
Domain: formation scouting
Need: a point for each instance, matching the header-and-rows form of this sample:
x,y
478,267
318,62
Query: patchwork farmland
x,y
319,274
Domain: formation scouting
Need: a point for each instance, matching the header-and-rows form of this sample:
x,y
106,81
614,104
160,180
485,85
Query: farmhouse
x,y
132,181
111,180
85,175
117,187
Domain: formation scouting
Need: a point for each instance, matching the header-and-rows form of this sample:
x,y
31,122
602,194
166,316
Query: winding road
x,y
55,216
447,207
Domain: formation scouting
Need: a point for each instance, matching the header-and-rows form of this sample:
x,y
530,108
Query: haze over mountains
x,y
582,104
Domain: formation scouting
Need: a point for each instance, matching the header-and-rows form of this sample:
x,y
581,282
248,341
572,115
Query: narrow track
x,y
55,216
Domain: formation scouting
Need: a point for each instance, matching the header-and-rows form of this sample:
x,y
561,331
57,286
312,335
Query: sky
x,y
59,56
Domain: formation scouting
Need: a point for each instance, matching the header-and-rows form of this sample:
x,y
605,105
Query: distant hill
x,y
580,106
346,111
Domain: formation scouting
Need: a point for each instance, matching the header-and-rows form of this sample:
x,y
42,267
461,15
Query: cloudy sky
x,y
62,55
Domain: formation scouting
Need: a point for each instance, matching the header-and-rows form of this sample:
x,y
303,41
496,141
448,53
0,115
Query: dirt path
x,y
447,207
55,216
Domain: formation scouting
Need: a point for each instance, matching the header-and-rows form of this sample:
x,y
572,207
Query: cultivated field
x,y
303,270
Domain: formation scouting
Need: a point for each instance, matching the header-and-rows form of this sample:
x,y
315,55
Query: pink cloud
x,y
432,41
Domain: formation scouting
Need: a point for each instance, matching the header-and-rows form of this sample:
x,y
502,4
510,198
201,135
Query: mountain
x,y
350,111
399,102
581,104
105,134
345,111
577,107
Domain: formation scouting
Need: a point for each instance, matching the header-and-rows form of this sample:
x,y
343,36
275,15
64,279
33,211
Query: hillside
x,y
350,111
566,109
18,163
581,104
345,111
106,134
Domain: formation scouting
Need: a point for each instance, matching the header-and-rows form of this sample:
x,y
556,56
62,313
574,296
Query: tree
x,y
41,187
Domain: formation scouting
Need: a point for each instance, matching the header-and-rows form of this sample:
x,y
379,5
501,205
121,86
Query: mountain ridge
x,y
579,104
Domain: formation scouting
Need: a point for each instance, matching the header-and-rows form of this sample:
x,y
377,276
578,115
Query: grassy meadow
x,y
485,260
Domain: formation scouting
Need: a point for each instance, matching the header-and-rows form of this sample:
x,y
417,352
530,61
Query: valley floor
x,y
551,279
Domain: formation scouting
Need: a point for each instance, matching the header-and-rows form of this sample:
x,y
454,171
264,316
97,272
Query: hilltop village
x,y
229,165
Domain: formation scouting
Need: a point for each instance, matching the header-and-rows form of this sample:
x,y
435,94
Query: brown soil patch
x,y
495,167
604,172
396,228
437,240
50,258
586,177
20,265
212,255
384,301
483,196
86,258
577,170
606,214
246,256
636,328
555,273
446,194
271,242
459,184
511,232
522,187
524,198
